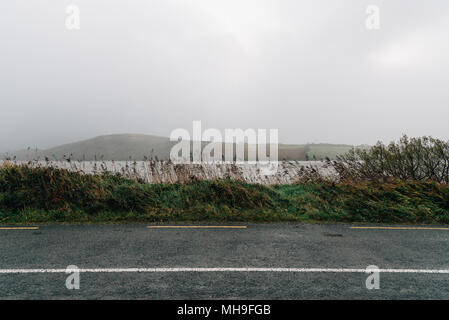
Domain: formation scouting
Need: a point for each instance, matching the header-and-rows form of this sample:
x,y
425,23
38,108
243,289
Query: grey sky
x,y
309,68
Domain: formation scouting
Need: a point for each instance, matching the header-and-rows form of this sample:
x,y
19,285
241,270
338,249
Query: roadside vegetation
x,y
409,159
44,194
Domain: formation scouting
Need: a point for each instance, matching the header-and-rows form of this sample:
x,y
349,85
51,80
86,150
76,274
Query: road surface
x,y
246,261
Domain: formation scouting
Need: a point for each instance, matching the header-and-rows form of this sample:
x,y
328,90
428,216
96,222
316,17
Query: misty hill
x,y
122,147
110,147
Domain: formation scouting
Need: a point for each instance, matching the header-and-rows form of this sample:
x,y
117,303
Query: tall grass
x,y
45,194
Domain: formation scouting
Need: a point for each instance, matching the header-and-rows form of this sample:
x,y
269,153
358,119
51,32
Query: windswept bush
x,y
409,159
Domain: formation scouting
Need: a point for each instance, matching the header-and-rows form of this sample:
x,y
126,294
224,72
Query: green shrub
x,y
408,159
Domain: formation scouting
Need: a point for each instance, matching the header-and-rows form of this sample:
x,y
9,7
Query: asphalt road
x,y
334,249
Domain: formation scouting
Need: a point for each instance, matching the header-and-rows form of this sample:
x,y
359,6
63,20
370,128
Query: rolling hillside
x,y
122,147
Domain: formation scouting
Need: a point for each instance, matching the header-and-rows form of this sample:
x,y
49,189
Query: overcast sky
x,y
308,68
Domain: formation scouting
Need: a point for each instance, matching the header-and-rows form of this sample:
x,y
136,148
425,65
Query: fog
x,y
311,69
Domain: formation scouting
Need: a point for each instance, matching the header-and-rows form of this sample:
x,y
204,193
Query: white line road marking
x,y
155,270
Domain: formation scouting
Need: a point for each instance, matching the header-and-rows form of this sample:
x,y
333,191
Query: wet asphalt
x,y
258,246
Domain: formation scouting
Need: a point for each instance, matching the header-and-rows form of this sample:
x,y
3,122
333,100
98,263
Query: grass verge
x,y
30,195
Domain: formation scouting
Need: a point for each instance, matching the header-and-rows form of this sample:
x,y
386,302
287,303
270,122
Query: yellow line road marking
x,y
196,227
19,228
401,228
